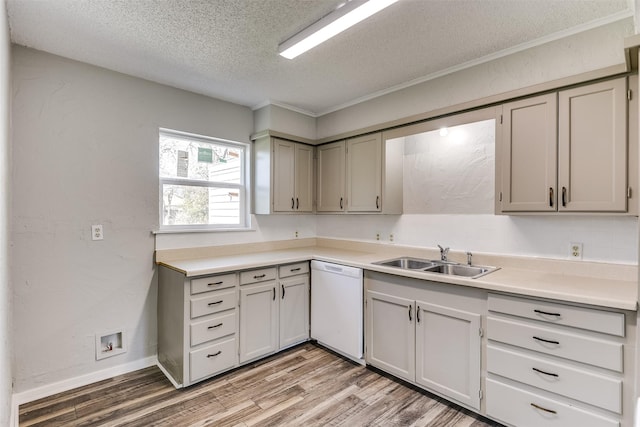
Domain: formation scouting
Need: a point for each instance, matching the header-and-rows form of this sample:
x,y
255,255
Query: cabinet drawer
x,y
255,276
522,408
213,328
210,360
293,269
212,283
213,302
557,377
572,346
607,322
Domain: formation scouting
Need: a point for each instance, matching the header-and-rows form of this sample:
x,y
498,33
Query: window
x,y
202,182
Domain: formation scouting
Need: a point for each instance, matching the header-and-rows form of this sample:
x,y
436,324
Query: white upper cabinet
x,y
364,173
283,176
592,151
566,151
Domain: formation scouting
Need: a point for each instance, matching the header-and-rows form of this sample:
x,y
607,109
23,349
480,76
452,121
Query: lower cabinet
x,y
554,364
436,345
211,324
258,320
273,314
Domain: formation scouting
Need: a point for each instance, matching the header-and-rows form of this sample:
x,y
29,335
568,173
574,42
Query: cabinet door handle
x,y
341,203
551,411
547,341
546,313
274,293
297,203
545,373
282,291
292,205
551,197
217,353
418,314
215,302
410,318
377,202
261,276
215,326
564,197
215,283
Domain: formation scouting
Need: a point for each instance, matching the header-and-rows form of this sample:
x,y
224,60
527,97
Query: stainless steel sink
x,y
408,263
471,271
438,267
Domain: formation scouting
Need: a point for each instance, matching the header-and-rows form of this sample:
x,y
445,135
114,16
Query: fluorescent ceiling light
x,y
345,16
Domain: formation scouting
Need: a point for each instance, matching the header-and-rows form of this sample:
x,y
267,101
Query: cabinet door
x,y
364,173
294,310
390,334
448,352
283,175
258,320
331,173
528,155
304,178
592,152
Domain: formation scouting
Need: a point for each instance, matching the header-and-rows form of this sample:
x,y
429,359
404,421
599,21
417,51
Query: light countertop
x,y
605,285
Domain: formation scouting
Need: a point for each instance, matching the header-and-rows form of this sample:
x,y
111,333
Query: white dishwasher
x,y
337,308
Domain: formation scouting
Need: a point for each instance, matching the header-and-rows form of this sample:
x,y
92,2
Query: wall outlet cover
x,y
575,250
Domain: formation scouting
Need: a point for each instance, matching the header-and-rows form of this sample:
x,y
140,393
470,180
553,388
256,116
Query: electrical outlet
x,y
377,236
391,237
96,232
575,250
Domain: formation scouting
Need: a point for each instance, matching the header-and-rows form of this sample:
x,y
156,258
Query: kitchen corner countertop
x,y
534,281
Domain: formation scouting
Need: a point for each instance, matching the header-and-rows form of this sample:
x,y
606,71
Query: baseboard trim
x,y
71,383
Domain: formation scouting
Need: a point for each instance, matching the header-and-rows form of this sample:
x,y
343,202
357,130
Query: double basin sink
x,y
439,267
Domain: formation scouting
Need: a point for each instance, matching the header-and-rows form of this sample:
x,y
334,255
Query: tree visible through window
x,y
202,182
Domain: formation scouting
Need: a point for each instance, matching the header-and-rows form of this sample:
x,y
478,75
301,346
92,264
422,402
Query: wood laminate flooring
x,y
304,386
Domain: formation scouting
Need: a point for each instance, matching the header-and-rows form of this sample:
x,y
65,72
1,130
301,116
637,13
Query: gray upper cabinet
x,y
592,148
364,173
529,159
360,175
565,151
283,176
331,177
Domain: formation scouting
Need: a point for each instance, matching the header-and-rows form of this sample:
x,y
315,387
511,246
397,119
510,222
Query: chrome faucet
x,y
443,253
469,255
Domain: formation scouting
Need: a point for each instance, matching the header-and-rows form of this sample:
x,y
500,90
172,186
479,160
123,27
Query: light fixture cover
x,y
345,16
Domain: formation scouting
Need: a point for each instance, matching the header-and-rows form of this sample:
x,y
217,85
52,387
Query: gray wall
x,y
6,333
587,51
85,152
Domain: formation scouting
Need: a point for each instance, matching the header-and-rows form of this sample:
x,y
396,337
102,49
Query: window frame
x,y
243,188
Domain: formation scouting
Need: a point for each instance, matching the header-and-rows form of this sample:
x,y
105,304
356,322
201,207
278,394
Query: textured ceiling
x,y
228,48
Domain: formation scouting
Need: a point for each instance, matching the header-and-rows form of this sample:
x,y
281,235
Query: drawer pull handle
x,y
260,276
547,341
220,324
545,373
217,353
215,283
551,411
215,302
296,269
546,313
